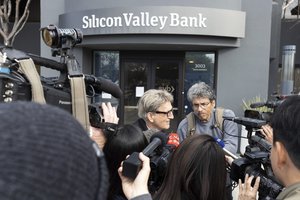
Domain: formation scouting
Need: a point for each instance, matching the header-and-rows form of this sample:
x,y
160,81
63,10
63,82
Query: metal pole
x,y
288,61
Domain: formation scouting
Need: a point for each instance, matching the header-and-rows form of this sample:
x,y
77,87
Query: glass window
x,y
107,65
135,84
199,66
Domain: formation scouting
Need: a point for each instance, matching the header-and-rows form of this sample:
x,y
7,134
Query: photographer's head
x,y
197,170
155,107
202,100
285,153
46,154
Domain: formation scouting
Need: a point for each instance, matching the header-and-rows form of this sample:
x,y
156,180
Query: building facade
x,y
231,45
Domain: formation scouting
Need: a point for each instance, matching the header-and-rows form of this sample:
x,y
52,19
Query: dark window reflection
x,y
199,67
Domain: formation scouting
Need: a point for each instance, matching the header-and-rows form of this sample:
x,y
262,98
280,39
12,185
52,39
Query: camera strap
x,y
78,91
28,68
218,117
79,101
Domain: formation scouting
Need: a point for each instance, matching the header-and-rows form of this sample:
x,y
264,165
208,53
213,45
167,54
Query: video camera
x,y
255,160
16,85
271,106
159,151
159,160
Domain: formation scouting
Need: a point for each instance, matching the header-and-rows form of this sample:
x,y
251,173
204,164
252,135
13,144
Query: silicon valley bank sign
x,y
144,19
157,20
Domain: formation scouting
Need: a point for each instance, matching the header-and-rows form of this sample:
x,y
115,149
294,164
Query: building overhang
x,y
157,20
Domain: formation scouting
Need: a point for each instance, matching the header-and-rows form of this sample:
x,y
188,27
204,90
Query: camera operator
x,y
285,151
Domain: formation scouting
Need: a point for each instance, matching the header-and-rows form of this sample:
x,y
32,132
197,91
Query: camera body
x,y
158,163
257,163
15,84
15,87
159,158
256,159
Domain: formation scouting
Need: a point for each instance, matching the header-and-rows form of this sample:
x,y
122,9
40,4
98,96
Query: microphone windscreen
x,y
173,139
110,87
257,104
162,136
220,142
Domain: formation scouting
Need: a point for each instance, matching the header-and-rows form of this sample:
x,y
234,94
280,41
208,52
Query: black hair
x,y
123,142
286,127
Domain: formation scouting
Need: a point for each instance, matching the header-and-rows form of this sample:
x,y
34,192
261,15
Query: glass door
x,y
167,78
136,82
140,75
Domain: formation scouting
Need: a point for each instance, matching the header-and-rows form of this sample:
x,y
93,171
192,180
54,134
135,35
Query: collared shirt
x,y
229,134
290,193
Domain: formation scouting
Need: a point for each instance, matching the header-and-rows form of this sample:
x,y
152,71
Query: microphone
x,y
159,162
222,144
269,104
248,122
257,104
105,85
219,142
159,139
132,165
173,140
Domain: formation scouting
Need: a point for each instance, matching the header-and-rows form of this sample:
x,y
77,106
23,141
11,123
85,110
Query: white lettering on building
x,y
144,19
95,22
183,21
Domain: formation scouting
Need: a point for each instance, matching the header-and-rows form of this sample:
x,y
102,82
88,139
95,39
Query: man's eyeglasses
x,y
202,105
168,113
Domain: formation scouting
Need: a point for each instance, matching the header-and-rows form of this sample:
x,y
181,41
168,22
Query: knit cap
x,y
45,154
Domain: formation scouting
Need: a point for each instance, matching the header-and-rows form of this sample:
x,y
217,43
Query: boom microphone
x,y
100,84
257,104
248,122
132,165
104,85
269,104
